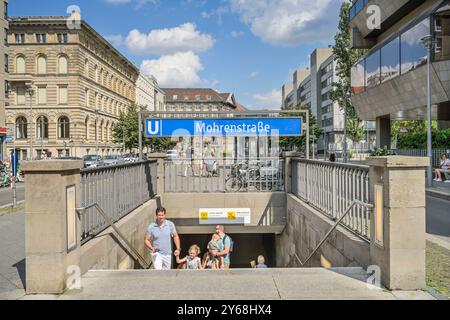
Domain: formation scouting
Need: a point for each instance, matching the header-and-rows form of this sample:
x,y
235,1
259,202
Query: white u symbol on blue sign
x,y
154,127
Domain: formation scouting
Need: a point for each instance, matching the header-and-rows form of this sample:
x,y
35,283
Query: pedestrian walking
x,y
159,240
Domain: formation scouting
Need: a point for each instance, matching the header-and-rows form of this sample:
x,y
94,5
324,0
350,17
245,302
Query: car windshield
x,y
91,158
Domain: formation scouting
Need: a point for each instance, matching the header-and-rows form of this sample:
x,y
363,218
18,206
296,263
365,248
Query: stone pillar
x,y
384,133
46,232
161,157
288,169
401,253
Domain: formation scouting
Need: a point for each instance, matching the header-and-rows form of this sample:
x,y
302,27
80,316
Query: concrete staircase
x,y
236,284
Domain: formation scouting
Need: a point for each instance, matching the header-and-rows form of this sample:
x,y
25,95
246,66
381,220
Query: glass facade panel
x,y
358,77
390,60
373,69
442,33
413,53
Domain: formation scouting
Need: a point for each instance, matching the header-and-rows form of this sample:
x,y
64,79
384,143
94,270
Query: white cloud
x,y
183,38
118,1
288,22
177,70
269,100
254,74
237,34
219,13
115,40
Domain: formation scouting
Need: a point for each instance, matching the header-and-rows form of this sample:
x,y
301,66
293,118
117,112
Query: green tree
x,y
314,131
127,129
345,58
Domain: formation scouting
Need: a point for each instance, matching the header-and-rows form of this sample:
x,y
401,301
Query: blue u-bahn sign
x,y
247,127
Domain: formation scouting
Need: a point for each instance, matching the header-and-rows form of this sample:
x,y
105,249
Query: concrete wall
x,y
267,209
105,252
306,227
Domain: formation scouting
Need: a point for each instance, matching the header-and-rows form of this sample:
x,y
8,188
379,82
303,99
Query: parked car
x,y
172,154
113,160
131,158
69,158
93,161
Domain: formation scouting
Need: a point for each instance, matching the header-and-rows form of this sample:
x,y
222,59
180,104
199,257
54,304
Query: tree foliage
x,y
127,131
345,58
300,142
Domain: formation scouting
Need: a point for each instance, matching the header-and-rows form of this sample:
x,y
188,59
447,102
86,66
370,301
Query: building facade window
x,y
41,65
20,95
398,56
6,62
20,38
390,60
42,128
62,94
21,128
63,65
63,128
42,95
373,75
414,54
5,35
86,97
5,13
86,129
41,38
62,38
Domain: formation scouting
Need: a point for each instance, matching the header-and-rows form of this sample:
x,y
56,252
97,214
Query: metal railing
x,y
331,188
423,153
224,175
354,204
132,252
118,190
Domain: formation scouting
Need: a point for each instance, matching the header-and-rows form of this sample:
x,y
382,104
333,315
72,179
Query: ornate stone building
x,y
3,75
198,100
78,84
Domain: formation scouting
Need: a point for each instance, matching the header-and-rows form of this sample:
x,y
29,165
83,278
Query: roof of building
x,y
59,20
195,95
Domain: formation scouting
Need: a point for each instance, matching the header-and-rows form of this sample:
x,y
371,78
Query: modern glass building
x,y
389,82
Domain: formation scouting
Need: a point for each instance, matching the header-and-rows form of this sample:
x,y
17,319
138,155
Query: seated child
x,y
192,261
214,246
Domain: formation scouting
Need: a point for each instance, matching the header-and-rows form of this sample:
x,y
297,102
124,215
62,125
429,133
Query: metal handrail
x,y
137,257
355,203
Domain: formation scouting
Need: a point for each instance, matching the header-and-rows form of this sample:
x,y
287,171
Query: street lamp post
x,y
96,136
429,42
31,93
345,153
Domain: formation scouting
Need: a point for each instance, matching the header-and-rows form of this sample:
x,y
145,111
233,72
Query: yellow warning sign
x,y
232,215
204,216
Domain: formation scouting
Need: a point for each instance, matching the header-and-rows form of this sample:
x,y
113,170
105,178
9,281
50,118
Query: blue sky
x,y
249,47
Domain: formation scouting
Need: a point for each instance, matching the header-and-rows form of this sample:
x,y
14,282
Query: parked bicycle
x,y
259,175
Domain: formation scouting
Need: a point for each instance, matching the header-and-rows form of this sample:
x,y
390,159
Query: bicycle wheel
x,y
233,185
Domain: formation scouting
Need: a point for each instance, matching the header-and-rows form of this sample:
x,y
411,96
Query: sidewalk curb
x,y
10,205
441,243
435,294
438,194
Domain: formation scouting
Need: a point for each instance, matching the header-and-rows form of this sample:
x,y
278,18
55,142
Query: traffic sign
x,y
9,139
245,127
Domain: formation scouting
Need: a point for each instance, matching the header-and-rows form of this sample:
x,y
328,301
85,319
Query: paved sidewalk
x,y
12,256
232,285
439,190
